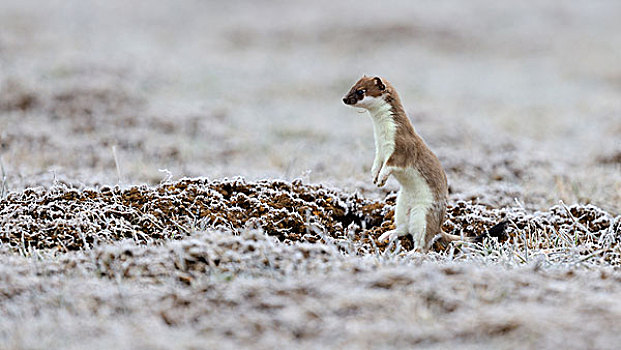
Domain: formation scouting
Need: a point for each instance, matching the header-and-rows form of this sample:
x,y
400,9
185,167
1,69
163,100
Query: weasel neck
x,y
384,130
381,110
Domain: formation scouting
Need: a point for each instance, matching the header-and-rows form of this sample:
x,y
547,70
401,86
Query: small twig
x,y
589,256
576,223
118,166
83,237
3,187
519,256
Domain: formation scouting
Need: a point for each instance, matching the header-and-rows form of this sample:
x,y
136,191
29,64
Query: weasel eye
x,y
360,92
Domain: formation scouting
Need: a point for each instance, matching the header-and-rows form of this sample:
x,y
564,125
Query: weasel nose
x,y
345,100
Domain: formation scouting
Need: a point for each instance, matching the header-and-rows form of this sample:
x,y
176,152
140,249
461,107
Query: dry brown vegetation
x,y
66,219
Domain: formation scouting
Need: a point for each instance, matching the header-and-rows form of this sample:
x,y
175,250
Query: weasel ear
x,y
378,82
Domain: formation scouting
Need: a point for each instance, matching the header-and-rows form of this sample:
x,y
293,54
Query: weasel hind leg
x,y
418,226
401,219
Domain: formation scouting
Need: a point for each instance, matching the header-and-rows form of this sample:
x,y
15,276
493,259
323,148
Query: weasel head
x,y
368,93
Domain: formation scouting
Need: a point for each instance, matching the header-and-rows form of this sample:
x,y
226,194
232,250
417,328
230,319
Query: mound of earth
x,y
67,219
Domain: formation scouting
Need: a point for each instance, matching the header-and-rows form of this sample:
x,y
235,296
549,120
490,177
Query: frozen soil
x,y
218,290
184,175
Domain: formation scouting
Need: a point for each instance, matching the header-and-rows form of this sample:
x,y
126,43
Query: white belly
x,y
414,186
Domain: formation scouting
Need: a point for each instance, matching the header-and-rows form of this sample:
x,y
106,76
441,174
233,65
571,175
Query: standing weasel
x,y
400,151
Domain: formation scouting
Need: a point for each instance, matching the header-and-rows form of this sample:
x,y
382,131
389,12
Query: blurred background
x,y
521,101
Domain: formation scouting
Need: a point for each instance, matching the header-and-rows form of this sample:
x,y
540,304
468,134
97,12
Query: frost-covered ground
x,y
520,100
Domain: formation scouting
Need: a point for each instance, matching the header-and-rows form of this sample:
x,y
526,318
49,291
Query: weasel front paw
x,y
383,176
375,174
378,182
381,182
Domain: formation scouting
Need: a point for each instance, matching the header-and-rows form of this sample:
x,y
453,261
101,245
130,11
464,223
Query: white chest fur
x,y
412,183
384,130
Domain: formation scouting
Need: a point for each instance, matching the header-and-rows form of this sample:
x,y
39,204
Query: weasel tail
x,y
401,152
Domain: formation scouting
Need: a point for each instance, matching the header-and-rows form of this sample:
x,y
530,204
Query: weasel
x,y
401,152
